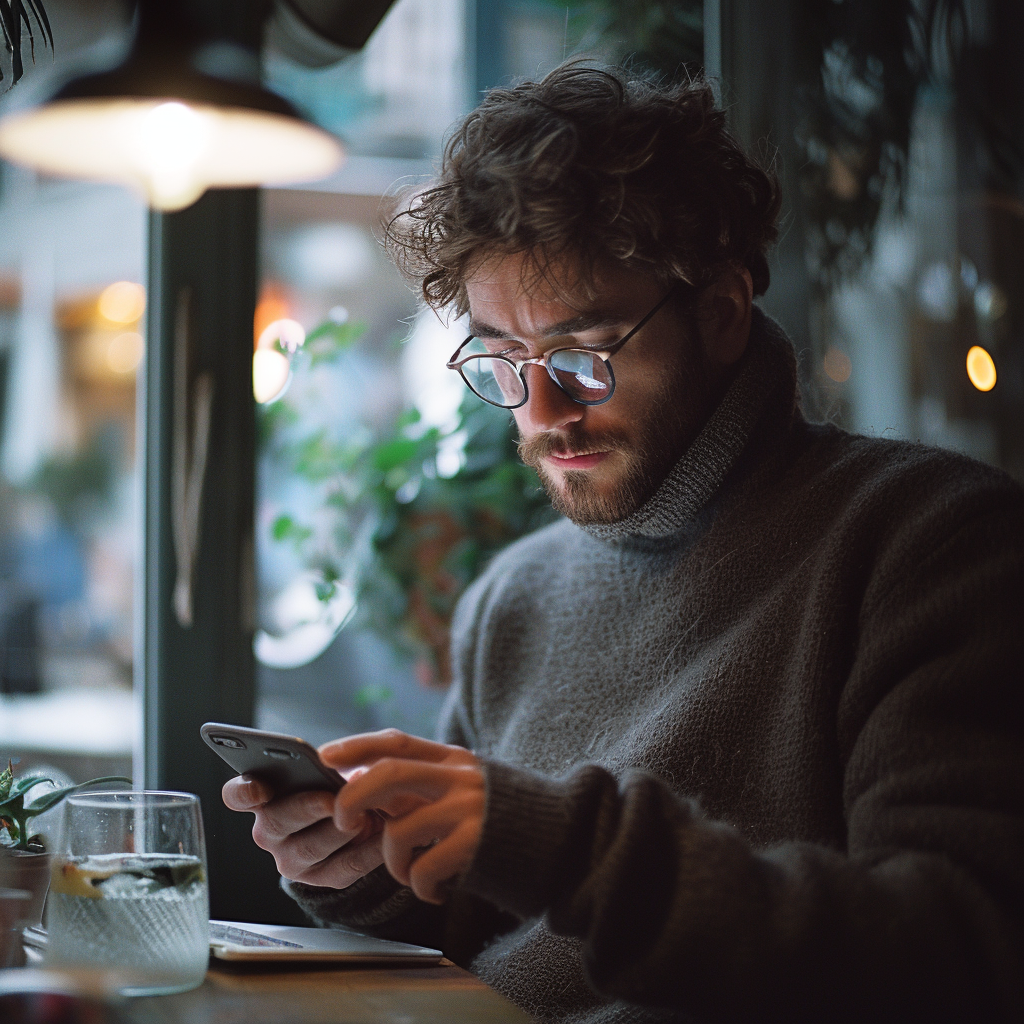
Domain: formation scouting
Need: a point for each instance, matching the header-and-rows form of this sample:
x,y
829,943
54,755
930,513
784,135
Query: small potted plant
x,y
24,861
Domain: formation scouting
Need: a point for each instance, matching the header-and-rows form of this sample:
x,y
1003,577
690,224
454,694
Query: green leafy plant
x,y
415,513
15,815
860,69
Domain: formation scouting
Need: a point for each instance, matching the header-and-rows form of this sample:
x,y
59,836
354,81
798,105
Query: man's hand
x,y
432,798
299,831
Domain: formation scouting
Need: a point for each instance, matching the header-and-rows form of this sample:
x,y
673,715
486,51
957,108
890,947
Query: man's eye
x,y
501,347
594,342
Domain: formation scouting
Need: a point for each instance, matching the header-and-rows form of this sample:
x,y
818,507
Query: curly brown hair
x,y
596,164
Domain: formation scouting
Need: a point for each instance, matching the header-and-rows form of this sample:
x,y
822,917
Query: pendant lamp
x,y
185,112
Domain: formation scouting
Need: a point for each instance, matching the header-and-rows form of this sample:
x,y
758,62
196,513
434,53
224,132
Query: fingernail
x,y
253,792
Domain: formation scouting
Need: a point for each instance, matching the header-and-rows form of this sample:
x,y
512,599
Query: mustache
x,y
566,443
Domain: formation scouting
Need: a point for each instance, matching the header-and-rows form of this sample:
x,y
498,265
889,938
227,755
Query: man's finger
x,y
343,867
433,871
367,748
406,838
243,793
391,781
293,813
300,850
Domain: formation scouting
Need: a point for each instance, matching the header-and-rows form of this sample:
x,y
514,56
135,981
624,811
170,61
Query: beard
x,y
574,493
641,458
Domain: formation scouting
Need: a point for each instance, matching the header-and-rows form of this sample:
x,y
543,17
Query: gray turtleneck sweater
x,y
754,753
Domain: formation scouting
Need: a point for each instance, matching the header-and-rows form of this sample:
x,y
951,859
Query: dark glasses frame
x,y
545,360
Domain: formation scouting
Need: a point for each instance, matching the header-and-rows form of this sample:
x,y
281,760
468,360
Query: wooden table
x,y
294,994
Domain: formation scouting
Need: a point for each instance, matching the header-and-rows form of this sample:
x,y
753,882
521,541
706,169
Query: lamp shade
x,y
163,124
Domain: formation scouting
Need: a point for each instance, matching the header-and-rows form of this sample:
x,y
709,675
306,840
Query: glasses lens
x,y
494,380
584,376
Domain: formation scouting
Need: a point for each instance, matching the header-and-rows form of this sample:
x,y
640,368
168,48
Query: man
x,y
739,738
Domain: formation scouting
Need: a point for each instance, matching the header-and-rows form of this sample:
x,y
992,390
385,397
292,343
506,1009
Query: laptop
x,y
239,940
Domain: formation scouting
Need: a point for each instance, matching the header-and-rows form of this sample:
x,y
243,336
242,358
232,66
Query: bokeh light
x,y
122,302
981,368
124,353
290,335
990,301
837,365
273,305
271,375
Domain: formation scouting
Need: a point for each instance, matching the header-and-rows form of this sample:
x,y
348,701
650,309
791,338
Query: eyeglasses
x,y
584,374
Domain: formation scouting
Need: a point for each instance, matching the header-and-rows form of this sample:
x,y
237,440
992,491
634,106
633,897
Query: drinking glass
x,y
128,893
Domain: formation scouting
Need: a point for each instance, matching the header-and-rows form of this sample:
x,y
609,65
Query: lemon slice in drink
x,y
72,880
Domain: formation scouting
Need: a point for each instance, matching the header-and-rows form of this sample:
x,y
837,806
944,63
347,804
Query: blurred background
x,y
896,129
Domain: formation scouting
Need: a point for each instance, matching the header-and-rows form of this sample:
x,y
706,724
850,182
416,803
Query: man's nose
x,y
548,407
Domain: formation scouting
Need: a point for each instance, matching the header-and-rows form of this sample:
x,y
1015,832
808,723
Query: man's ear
x,y
725,317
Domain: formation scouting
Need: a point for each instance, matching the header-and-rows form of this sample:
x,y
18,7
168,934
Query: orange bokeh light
x,y
981,368
273,305
837,365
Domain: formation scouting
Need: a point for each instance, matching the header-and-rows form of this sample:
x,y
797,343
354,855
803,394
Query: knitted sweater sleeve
x,y
920,917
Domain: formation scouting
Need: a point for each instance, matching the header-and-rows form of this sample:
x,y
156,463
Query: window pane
x,y
71,345
383,488
321,266
906,179
328,662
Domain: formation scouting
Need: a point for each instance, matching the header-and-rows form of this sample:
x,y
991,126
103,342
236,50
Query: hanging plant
x,y
16,17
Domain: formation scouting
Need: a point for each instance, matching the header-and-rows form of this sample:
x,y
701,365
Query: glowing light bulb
x,y
122,302
981,368
170,144
271,375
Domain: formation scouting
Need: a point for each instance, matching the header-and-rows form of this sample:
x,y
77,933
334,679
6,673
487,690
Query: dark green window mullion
x,y
199,470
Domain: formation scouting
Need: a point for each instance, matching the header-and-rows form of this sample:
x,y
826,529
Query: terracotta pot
x,y
21,869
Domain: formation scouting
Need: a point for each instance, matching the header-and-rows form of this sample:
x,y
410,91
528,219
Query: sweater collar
x,y
763,388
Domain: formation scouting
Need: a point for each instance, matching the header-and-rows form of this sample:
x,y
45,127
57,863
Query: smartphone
x,y
285,763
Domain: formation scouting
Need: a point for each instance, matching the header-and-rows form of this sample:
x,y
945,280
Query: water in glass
x,y
139,911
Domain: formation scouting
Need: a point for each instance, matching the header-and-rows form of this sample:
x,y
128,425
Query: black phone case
x,y
286,763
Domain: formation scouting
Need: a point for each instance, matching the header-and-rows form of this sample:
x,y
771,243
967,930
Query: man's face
x,y
598,463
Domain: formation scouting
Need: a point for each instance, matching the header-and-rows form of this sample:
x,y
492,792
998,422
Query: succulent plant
x,y
15,816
